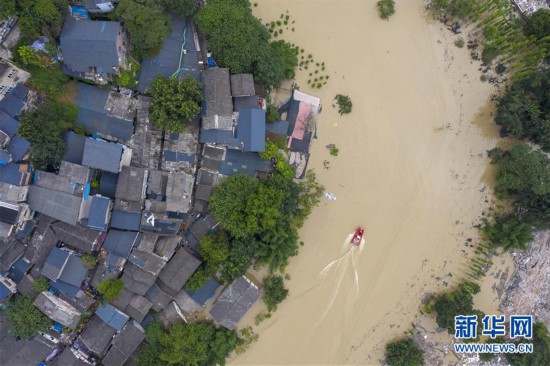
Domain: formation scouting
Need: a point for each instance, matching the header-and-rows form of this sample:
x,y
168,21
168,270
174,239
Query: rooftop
x,y
76,173
18,148
238,162
97,335
102,155
74,150
99,213
178,270
131,184
217,92
234,302
12,106
242,85
14,174
59,205
251,129
124,344
179,190
115,318
125,220
138,307
136,279
121,242
57,310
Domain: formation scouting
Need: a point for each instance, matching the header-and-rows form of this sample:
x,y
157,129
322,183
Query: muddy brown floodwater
x,y
415,186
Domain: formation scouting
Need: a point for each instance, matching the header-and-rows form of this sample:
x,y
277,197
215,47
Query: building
x,y
242,85
113,317
16,174
119,244
97,335
138,307
528,7
234,302
13,217
126,220
97,214
131,188
178,270
109,114
102,155
93,50
59,205
11,78
7,289
65,271
57,310
11,250
217,92
179,191
124,344
99,6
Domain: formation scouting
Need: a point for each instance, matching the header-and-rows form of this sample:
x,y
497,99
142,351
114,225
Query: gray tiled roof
x,y
121,242
138,307
102,155
97,335
62,206
74,271
246,102
178,270
136,279
48,304
76,173
217,92
86,44
131,183
234,302
239,162
159,298
99,211
242,85
124,344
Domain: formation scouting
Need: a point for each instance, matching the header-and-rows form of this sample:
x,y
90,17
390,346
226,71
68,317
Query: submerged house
x,y
93,50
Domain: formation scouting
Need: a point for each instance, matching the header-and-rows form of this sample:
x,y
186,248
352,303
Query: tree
x,y
89,260
386,8
43,127
538,24
174,102
24,319
456,302
185,8
541,349
40,284
245,206
277,245
404,352
461,8
28,56
147,24
240,257
287,55
110,288
275,291
7,8
41,17
344,104
507,232
187,344
127,76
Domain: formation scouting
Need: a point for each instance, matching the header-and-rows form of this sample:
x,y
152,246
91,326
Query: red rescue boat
x,y
357,236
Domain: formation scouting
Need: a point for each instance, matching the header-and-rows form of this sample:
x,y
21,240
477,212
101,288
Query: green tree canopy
x,y
7,8
277,245
541,349
287,56
174,102
241,254
41,284
40,17
386,8
43,127
507,232
147,24
456,302
110,288
275,291
185,8
214,249
538,24
24,319
187,344
404,352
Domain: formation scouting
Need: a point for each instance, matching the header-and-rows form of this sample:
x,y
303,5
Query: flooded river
x,y
411,169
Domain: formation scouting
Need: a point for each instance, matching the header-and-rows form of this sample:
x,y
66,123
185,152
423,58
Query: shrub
x,y
404,352
110,288
272,114
24,319
40,284
274,291
386,8
334,151
459,43
89,260
344,104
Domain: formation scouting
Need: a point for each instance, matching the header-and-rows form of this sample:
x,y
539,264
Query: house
x,y
179,191
97,335
162,247
65,271
59,205
186,303
16,174
74,147
13,217
158,298
20,268
12,106
234,302
126,220
7,289
242,85
238,162
171,315
11,77
178,270
119,244
138,307
113,317
8,128
109,114
98,213
57,310
18,148
180,150
159,224
102,155
92,50
206,292
107,184
11,250
217,92
124,344
528,7
99,6
58,183
79,237
131,187
12,193
137,279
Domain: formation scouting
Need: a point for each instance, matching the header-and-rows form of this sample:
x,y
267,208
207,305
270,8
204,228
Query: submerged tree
x,y
344,104
404,352
275,291
386,8
507,232
174,102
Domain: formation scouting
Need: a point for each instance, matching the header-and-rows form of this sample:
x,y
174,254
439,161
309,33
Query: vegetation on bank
x,y
187,344
24,319
404,352
174,102
275,291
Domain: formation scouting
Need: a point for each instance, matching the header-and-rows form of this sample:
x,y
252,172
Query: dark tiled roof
x,y
76,236
115,318
18,147
99,209
92,114
75,172
234,302
130,185
124,344
138,307
74,150
179,156
136,279
251,129
88,44
161,226
55,263
246,102
74,271
178,270
97,335
59,205
12,174
11,105
238,162
126,220
217,92
242,85
8,213
223,137
159,298
121,242
102,155
11,252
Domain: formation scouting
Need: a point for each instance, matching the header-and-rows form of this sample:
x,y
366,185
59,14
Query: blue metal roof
x,y
121,242
277,127
102,155
251,129
239,162
74,149
86,44
74,271
170,155
10,174
65,287
112,316
107,184
99,210
8,124
20,91
166,62
92,115
204,293
18,147
126,220
54,263
11,105
19,269
4,292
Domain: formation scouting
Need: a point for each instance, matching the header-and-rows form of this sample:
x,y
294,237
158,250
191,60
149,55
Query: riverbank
x,y
417,187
